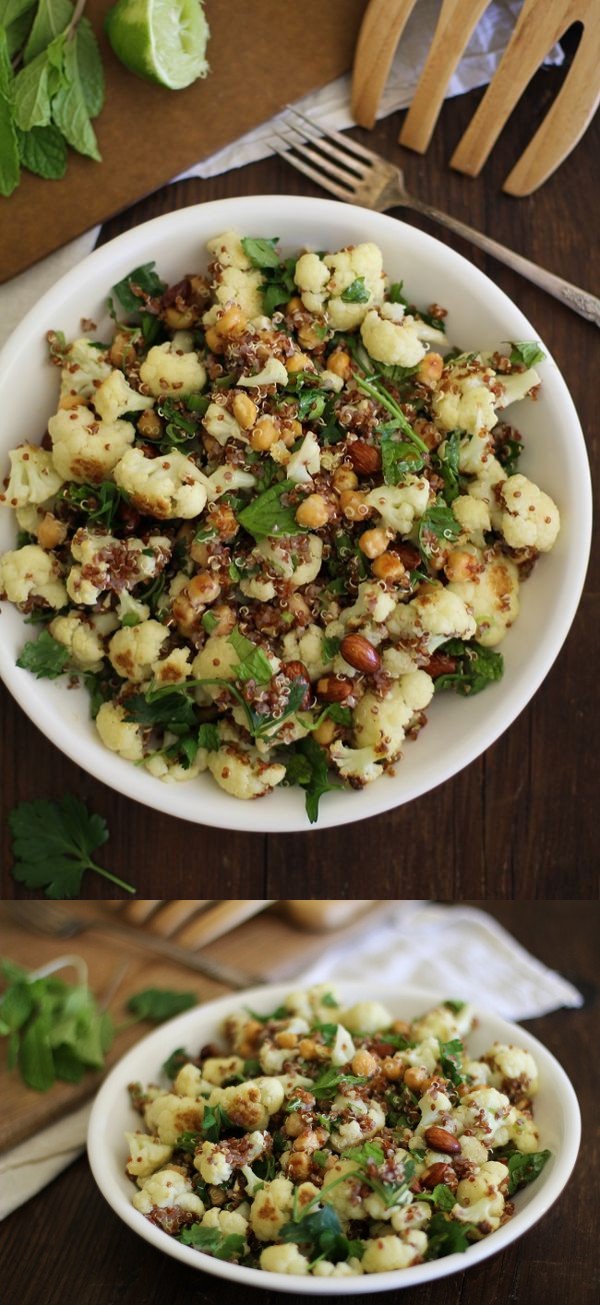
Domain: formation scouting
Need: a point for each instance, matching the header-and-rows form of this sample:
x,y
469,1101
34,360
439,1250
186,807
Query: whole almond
x,y
439,1139
365,458
439,1173
360,654
334,688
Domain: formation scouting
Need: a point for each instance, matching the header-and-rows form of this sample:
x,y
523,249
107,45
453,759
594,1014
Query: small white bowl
x,y
480,317
556,1113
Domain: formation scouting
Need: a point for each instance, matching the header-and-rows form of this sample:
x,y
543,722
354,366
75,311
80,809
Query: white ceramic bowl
x,y
556,1114
480,317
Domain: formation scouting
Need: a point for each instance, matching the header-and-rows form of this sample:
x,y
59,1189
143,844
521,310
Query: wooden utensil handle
x,y
580,301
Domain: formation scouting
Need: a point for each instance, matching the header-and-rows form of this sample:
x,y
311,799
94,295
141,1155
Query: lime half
x,y
161,40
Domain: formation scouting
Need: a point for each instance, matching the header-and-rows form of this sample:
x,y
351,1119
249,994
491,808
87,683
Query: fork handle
x,y
580,301
217,970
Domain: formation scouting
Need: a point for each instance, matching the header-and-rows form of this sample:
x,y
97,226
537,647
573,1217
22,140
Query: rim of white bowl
x,y
378,798
551,1182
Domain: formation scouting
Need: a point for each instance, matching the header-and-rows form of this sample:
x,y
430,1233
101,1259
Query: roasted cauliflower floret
x,y
168,370
493,598
512,1070
382,1254
357,765
216,1069
437,614
114,397
118,734
146,1154
85,448
367,1017
271,1208
380,723
479,1198
168,1116
228,1222
84,637
105,562
400,505
236,280
169,486
464,399
33,477
85,367
393,342
323,283
133,649
529,518
30,572
168,1188
344,1192
249,1105
486,1114
243,773
473,515
283,1259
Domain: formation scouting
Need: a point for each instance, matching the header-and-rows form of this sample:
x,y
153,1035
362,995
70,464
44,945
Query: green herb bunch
x,y
51,86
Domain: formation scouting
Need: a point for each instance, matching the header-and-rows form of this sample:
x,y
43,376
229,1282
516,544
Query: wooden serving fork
x,y
540,24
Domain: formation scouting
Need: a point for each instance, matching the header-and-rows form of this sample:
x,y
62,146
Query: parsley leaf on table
x,y
45,657
159,1004
53,844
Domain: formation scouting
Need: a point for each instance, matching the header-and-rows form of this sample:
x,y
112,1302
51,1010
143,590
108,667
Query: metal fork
x,y
46,918
359,176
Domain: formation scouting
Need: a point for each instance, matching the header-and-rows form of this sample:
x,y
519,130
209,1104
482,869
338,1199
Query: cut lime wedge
x,y
161,40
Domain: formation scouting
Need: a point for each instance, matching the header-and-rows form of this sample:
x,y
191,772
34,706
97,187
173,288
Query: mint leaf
x,y
18,29
214,1120
475,667
399,458
51,18
139,284
526,352
254,663
451,1058
97,502
208,737
267,515
523,1168
213,1242
307,766
10,170
69,110
447,464
445,1236
262,253
175,1062
45,657
90,67
438,526
52,843
35,1056
356,293
12,10
32,94
159,1004
43,150
158,708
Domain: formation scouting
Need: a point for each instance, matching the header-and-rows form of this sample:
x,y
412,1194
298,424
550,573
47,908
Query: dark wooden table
x,y
521,819
66,1247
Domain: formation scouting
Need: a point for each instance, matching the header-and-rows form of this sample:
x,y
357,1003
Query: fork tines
x,y
345,162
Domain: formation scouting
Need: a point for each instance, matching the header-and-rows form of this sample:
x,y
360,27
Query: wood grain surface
x,y
66,1247
522,819
147,134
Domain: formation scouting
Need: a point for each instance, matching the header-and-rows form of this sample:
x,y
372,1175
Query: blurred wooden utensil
x,y
539,25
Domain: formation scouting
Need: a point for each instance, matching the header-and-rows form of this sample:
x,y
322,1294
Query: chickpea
x,y
295,304
373,542
402,1027
416,1079
363,1063
389,567
353,505
307,1141
150,425
248,1042
299,1166
245,410
294,1124
313,512
179,319
199,552
225,617
213,340
309,336
344,478
309,1049
430,369
184,615
461,565
264,434
290,432
339,362
392,1069
286,1039
231,322
325,732
203,588
298,362
51,532
121,351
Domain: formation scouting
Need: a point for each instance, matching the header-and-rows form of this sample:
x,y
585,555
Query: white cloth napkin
x,y
453,949
329,106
